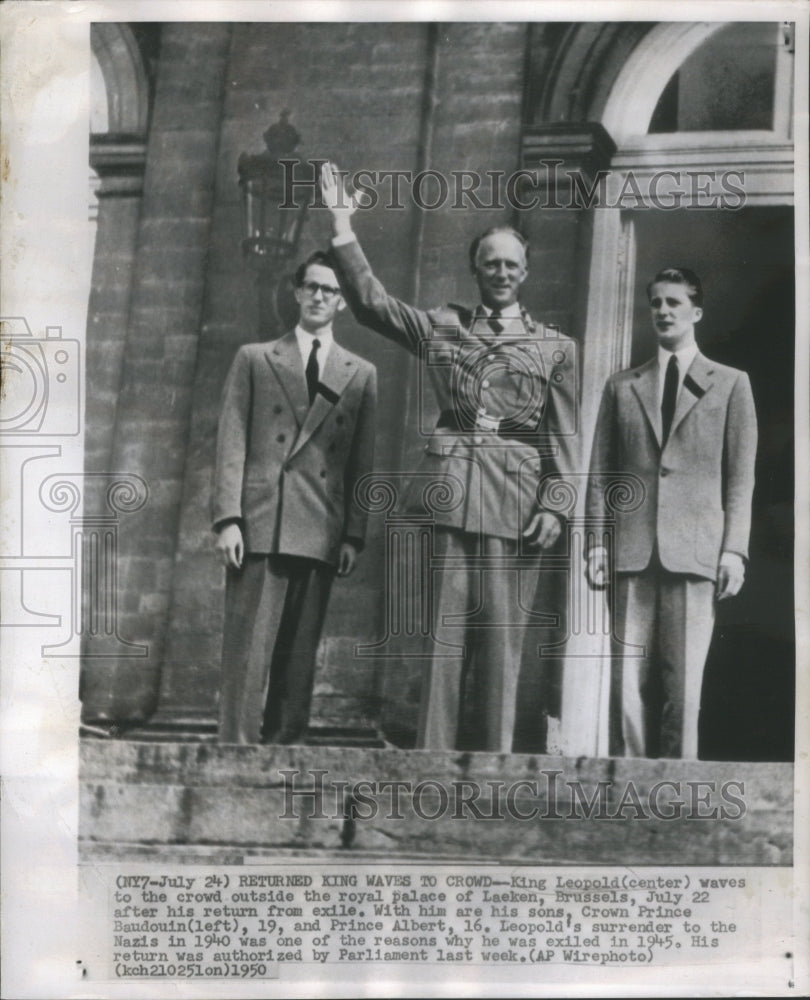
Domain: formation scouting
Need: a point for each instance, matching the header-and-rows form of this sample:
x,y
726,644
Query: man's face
x,y
318,298
673,315
500,270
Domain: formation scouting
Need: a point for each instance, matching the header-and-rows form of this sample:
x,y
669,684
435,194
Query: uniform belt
x,y
503,427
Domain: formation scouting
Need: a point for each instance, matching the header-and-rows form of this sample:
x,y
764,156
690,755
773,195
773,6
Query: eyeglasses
x,y
328,291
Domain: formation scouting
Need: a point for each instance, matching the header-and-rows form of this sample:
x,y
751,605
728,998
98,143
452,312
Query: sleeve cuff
x,y
219,525
343,239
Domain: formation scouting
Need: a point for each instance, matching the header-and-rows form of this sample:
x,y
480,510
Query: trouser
x,y
481,610
668,618
274,612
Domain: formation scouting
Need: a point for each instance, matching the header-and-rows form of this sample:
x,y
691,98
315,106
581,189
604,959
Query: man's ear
x,y
341,304
698,314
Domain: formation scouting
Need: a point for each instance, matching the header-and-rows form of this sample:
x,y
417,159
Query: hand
x,y
544,529
230,546
340,203
347,560
596,569
730,575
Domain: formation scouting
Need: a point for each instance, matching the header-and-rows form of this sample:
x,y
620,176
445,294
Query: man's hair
x,y
680,276
321,257
509,230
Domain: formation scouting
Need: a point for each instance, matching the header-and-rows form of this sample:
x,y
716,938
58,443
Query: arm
x,y
230,462
367,298
360,462
603,461
558,440
739,457
560,426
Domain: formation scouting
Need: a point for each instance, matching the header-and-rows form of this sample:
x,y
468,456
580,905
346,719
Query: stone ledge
x,y
166,801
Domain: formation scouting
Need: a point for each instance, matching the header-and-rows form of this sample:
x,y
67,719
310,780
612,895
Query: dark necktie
x,y
312,370
494,321
670,397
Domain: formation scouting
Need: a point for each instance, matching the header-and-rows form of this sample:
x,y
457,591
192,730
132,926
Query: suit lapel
x,y
285,359
340,368
696,383
645,386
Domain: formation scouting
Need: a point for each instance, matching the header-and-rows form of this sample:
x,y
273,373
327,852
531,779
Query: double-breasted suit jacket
x,y
524,377
286,469
697,489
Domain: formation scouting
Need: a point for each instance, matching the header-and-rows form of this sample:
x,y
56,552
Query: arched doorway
x,y
679,153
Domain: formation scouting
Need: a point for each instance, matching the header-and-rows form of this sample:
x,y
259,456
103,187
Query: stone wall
x,y
381,96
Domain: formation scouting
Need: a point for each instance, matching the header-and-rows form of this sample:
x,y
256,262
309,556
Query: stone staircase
x,y
206,803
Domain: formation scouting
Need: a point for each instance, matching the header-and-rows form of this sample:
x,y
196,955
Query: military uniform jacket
x,y
521,381
288,470
691,497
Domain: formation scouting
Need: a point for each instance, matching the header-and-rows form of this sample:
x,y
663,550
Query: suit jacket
x,y
695,499
468,479
286,469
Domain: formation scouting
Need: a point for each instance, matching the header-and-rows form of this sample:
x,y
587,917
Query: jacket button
x,y
323,473
664,471
339,420
277,408
281,438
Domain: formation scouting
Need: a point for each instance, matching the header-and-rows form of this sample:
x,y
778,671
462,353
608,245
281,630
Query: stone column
x,y
150,434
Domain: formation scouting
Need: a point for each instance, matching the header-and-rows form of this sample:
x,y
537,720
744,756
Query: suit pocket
x,y
709,537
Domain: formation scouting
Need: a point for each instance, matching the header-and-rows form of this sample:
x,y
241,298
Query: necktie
x,y
312,370
494,321
670,397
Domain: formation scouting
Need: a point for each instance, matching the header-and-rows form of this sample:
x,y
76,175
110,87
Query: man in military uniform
x,y
506,391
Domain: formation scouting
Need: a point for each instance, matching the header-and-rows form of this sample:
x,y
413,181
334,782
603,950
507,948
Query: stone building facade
x,y
172,298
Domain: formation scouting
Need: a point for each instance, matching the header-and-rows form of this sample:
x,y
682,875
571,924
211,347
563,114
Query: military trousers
x,y
481,596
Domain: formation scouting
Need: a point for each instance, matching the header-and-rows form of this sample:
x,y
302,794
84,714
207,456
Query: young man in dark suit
x,y
685,428
296,434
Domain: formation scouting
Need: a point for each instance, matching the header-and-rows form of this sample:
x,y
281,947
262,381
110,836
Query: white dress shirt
x,y
509,312
685,356
305,339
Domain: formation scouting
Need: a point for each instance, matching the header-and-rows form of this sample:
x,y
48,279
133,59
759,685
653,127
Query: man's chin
x,y
668,338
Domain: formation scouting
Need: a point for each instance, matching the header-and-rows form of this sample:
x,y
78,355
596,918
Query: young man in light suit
x,y
685,427
296,434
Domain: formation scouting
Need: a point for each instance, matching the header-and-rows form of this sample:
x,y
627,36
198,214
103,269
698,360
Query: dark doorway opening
x,y
746,261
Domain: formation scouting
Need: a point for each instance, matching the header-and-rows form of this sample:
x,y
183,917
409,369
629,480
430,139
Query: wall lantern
x,y
271,222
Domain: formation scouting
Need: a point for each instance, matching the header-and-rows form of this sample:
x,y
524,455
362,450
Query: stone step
x,y
151,800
